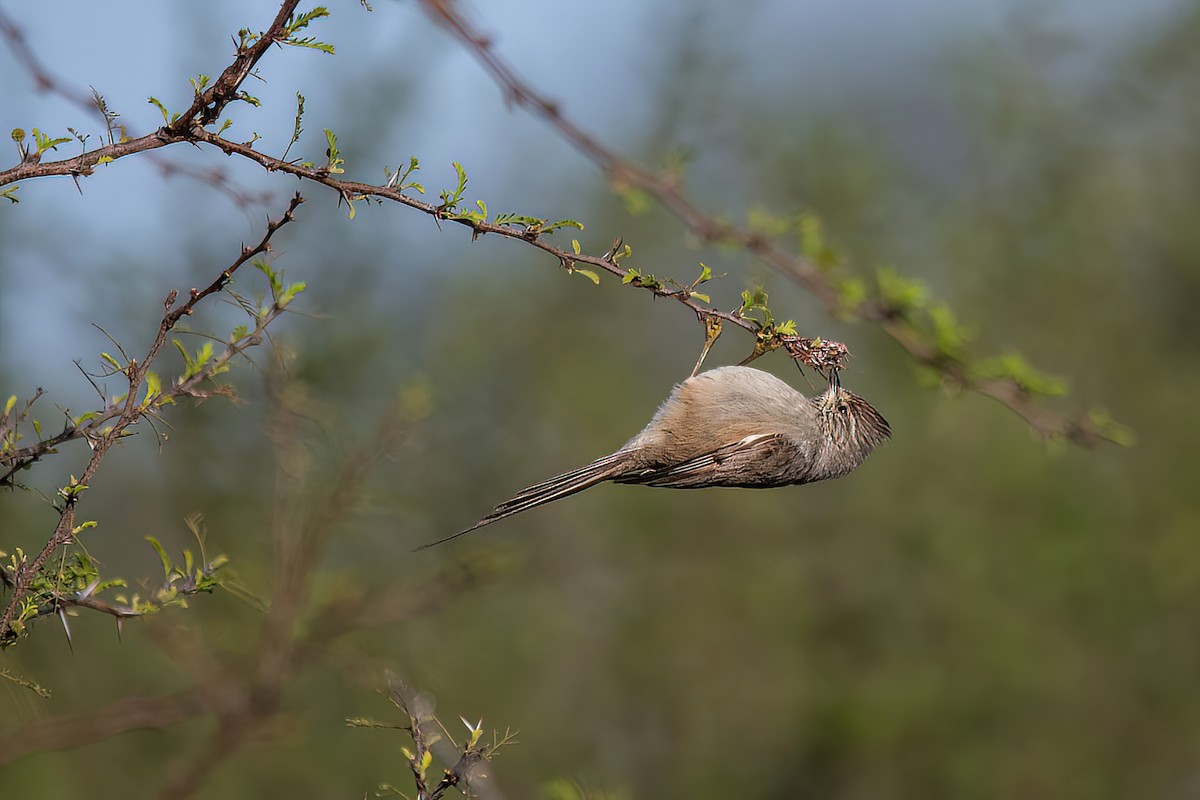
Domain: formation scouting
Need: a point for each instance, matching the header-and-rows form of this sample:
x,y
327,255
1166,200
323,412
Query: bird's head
x,y
851,428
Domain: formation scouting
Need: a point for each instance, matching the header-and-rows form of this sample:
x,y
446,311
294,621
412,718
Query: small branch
x,y
666,189
207,105
21,458
125,414
222,280
45,81
69,731
607,262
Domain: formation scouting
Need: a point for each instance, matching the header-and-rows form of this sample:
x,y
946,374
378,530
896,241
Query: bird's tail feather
x,y
568,483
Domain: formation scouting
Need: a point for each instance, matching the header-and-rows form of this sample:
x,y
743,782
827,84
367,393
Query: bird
x,y
729,426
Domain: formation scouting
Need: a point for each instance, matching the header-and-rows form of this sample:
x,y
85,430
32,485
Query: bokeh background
x,y
973,614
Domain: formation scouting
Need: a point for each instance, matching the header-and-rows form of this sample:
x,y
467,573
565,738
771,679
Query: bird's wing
x,y
760,460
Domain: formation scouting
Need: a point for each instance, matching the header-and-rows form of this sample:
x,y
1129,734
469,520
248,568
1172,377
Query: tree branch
x,y
126,413
666,189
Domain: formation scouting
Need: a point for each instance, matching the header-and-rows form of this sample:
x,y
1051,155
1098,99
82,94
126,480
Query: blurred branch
x,y
427,731
123,413
66,731
308,510
245,691
665,187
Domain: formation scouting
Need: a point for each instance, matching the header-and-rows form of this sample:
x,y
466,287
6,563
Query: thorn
x,y
62,616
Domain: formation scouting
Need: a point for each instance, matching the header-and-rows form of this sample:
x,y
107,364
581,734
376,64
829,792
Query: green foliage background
x,y
972,614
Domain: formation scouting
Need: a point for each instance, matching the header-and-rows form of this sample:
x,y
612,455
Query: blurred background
x,y
972,614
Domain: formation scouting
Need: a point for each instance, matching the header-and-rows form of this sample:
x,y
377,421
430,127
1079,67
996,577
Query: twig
x,y
129,412
76,730
666,189
45,81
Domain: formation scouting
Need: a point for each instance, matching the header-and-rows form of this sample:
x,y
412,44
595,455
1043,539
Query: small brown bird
x,y
730,426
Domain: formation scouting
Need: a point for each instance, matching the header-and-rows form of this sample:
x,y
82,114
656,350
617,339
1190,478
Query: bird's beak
x,y
835,379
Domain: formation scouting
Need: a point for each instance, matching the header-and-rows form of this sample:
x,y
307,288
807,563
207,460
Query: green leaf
x,y
701,296
760,220
290,293
948,335
812,243
462,177
189,366
334,164
112,362
851,293
203,355
1110,428
587,273
298,23
523,220
636,201
272,277
162,554
1014,367
153,385
166,115
562,223
451,199
756,300
8,407
45,143
901,294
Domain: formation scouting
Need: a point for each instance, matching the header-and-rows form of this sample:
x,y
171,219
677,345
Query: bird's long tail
x,y
568,483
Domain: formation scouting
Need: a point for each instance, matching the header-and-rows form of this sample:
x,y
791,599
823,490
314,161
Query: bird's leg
x,y
712,329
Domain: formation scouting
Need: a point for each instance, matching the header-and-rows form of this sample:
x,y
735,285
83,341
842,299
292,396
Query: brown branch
x,y
130,412
68,731
22,458
666,189
822,351
45,81
206,107
208,104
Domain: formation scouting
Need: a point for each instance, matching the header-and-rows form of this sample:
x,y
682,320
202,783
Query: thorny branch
x,y
124,413
15,460
208,104
666,189
45,81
